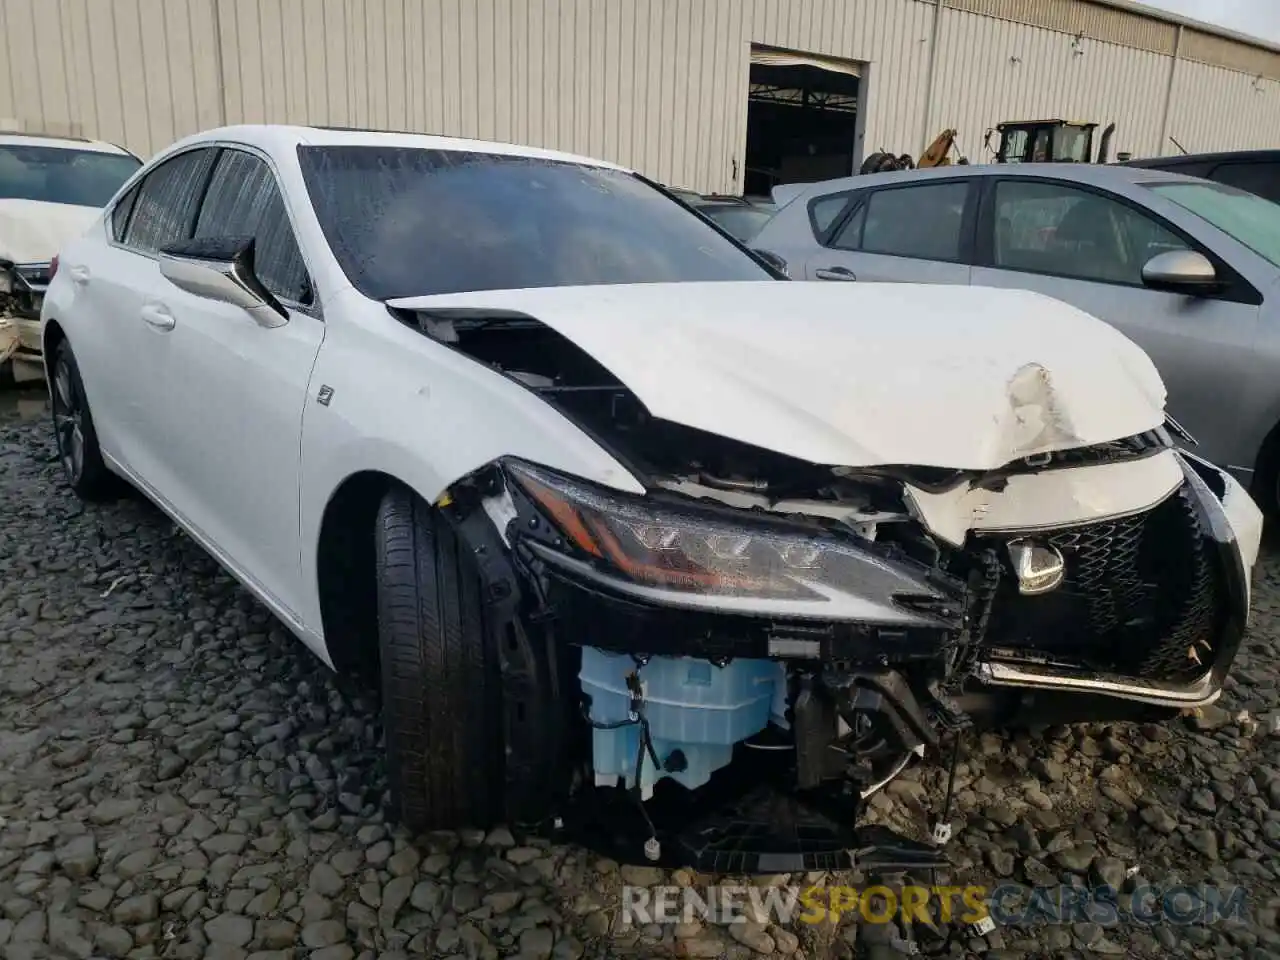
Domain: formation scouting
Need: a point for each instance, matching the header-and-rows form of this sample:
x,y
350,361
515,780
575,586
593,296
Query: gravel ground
x,y
180,778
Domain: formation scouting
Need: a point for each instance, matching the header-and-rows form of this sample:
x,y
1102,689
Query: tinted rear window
x,y
406,221
1258,177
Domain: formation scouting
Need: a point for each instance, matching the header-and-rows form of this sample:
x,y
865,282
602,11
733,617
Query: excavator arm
x,y
938,153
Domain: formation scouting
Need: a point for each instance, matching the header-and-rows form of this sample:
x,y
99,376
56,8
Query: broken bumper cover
x,y
907,613
1229,527
795,802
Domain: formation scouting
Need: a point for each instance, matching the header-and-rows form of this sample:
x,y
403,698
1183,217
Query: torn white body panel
x,y
10,339
857,374
1245,519
20,348
1242,514
1049,499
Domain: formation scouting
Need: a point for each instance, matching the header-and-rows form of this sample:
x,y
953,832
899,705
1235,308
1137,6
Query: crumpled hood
x,y
32,231
858,374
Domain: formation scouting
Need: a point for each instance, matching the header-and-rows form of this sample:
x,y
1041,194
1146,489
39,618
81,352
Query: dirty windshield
x,y
407,221
87,178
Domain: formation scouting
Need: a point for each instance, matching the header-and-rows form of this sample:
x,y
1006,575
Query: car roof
x,y
1196,158
1032,123
283,138
1102,175
16,138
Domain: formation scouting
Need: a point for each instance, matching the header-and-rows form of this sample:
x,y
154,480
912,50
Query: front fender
x,y
398,403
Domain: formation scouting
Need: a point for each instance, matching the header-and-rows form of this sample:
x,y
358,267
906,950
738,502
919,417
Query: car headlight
x,y
694,557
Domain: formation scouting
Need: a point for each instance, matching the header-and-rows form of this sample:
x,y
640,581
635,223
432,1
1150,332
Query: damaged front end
x,y
22,288
716,674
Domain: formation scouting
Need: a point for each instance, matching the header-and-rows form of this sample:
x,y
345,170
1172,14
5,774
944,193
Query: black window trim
x,y
1237,288
312,308
217,146
769,268
968,222
132,191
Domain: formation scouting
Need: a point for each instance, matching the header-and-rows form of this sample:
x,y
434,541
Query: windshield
x,y
743,222
1073,145
86,178
1245,217
408,221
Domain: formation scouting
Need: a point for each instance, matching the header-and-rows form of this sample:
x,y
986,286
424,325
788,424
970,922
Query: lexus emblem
x,y
1039,567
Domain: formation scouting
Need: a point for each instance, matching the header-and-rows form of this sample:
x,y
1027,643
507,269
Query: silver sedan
x,y
1188,269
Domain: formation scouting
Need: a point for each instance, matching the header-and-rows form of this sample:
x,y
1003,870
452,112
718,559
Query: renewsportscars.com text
x,y
1006,904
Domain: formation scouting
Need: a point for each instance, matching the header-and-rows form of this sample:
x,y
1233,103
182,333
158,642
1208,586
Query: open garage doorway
x,y
802,119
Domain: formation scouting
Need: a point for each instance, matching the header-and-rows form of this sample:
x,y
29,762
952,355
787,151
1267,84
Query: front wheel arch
x,y
346,572
53,337
348,569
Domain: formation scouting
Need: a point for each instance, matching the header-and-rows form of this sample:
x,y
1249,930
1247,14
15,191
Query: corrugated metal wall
x,y
1213,108
991,70
656,84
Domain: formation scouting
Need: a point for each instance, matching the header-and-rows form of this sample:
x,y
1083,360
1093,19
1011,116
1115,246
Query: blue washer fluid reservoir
x,y
692,706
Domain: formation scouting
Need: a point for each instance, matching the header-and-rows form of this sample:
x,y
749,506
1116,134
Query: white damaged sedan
x,y
643,541
51,190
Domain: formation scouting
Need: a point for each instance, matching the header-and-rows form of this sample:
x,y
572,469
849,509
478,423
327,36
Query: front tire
x,y
77,440
441,698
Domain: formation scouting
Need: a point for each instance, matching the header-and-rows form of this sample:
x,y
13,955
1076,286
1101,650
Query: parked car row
x,y
740,216
1186,268
1256,171
51,190
643,538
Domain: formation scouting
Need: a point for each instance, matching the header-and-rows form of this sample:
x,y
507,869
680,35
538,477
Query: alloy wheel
x,y
68,420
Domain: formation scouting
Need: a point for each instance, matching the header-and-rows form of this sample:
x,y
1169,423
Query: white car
x,y
608,504
51,190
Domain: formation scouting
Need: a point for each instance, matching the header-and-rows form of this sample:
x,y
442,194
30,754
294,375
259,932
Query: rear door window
x,y
923,221
164,212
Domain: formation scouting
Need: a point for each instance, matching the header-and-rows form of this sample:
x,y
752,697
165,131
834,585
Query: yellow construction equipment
x,y
1021,141
1049,141
937,154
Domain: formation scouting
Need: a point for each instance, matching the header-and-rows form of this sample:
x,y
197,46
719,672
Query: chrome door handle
x,y
834,273
80,274
158,316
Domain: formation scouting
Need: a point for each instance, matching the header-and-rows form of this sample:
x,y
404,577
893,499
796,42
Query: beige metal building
x,y
709,94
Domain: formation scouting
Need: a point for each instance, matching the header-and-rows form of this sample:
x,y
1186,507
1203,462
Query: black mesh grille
x,y
1140,598
1102,564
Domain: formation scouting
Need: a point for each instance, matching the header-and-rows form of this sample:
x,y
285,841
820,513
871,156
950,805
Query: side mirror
x,y
772,259
1180,271
222,269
